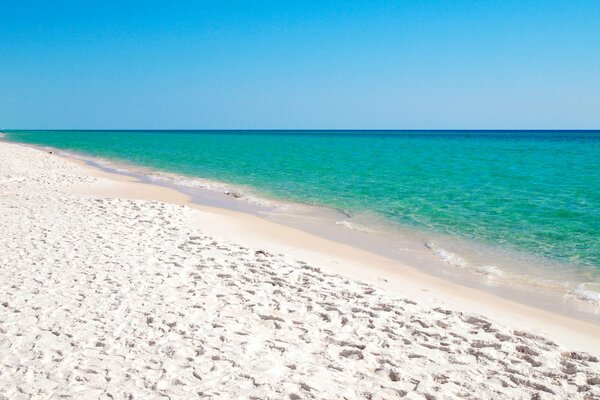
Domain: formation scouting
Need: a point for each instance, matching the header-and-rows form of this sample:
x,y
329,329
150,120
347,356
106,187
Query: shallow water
x,y
526,202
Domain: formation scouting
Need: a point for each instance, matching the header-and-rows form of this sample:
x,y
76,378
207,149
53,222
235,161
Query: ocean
x,y
531,194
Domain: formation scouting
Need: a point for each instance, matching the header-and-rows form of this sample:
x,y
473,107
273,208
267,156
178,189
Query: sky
x,y
300,64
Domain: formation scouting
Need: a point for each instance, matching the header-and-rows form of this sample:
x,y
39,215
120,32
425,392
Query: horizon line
x,y
299,130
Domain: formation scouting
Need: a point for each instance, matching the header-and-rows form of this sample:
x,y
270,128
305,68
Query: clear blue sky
x,y
300,64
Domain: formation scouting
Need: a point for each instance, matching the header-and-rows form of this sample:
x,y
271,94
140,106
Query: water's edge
x,y
416,249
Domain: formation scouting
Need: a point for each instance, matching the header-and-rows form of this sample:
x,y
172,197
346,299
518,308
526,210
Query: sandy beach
x,y
116,289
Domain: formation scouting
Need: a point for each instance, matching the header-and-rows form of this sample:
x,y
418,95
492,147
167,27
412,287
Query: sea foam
x,y
353,226
448,257
583,292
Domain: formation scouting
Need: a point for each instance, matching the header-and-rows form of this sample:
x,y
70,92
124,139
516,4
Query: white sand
x,y
117,298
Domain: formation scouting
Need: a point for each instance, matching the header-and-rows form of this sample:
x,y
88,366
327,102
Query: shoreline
x,y
393,275
120,289
422,254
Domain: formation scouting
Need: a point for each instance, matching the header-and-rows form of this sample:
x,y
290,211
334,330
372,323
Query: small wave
x,y
200,183
193,183
455,260
583,292
354,227
178,180
108,164
448,257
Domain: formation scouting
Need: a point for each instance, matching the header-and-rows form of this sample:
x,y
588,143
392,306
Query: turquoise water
x,y
537,192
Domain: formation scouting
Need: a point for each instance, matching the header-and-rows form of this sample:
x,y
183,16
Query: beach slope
x,y
124,298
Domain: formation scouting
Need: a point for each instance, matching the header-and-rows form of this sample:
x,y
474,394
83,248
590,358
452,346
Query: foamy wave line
x,y
200,183
352,226
582,293
108,164
455,260
448,257
196,183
